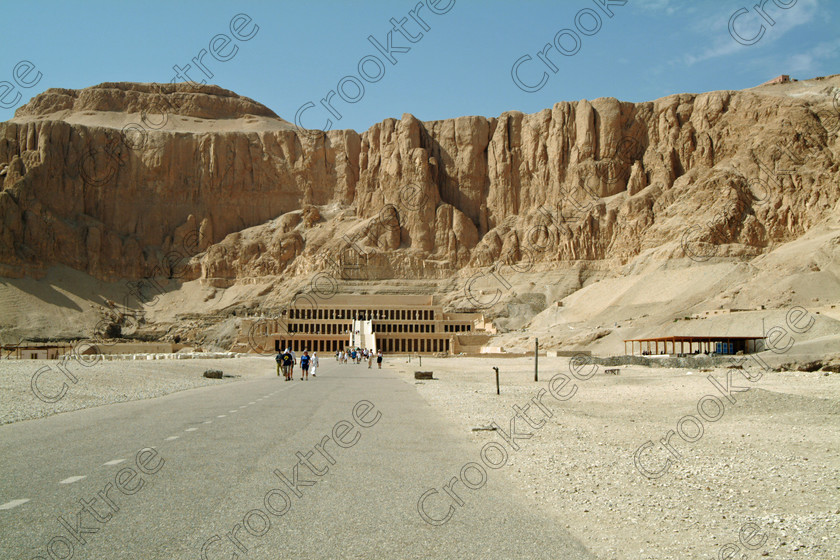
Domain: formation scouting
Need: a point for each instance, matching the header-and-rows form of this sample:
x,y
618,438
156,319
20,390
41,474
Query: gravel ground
x,y
772,459
109,382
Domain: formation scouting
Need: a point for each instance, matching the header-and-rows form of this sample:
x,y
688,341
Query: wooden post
x,y
536,358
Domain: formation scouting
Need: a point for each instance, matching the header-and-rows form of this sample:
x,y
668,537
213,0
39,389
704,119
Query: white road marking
x,y
221,415
13,503
72,479
208,421
232,411
114,462
243,406
190,429
170,438
253,402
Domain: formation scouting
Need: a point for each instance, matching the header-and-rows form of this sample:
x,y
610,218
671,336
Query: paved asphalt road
x,y
220,447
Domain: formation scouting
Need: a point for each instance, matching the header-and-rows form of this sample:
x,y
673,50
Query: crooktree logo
x,y
101,507
746,32
21,74
710,408
697,242
309,469
494,455
88,352
99,165
567,42
370,68
701,242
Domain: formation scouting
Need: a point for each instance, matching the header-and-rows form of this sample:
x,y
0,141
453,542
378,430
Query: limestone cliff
x,y
113,178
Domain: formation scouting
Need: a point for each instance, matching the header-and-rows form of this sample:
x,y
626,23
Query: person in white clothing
x,y
313,367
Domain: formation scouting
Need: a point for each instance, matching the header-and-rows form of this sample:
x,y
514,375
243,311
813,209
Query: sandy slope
x,y
651,297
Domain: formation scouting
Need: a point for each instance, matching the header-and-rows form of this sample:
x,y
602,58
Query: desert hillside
x,y
604,218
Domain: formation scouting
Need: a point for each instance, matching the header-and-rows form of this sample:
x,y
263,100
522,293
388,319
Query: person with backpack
x,y
278,358
304,365
288,362
294,362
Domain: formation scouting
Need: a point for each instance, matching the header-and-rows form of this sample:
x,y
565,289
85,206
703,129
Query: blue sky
x,y
460,65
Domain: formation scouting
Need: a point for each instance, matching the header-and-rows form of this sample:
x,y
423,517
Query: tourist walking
x,y
304,365
314,365
287,363
370,360
379,359
294,362
278,358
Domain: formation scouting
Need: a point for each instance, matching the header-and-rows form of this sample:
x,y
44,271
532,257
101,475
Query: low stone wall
x,y
690,361
175,356
567,353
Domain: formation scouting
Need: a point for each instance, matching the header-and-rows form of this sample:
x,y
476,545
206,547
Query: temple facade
x,y
393,324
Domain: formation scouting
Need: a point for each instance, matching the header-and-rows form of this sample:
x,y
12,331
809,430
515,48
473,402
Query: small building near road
x,y
682,344
34,351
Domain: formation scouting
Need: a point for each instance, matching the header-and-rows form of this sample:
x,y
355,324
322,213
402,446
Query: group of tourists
x,y
287,361
357,355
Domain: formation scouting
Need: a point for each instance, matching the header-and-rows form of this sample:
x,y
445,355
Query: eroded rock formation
x,y
113,178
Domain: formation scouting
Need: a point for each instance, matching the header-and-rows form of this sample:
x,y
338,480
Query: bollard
x,y
536,358
497,380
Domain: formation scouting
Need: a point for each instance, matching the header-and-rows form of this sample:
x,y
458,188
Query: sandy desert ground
x,y
106,382
771,460
767,472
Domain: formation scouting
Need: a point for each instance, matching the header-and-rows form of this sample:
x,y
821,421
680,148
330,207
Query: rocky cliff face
x,y
112,179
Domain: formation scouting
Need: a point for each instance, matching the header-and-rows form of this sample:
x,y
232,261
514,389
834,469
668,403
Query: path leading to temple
x,y
332,467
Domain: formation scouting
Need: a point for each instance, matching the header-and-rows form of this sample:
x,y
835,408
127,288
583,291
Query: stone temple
x,y
390,323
